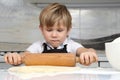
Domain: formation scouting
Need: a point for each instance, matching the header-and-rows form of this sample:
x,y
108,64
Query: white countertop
x,y
83,74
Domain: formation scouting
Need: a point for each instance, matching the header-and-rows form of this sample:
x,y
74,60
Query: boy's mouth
x,y
55,41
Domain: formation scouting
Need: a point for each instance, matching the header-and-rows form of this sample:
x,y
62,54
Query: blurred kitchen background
x,y
94,23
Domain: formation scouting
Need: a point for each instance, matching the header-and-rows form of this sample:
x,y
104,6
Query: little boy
x,y
55,25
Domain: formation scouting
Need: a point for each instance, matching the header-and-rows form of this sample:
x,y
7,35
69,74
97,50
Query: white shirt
x,y
38,47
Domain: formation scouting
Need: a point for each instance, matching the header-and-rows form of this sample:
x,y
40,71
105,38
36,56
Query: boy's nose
x,y
54,34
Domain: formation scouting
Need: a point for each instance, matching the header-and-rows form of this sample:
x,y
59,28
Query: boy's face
x,y
55,35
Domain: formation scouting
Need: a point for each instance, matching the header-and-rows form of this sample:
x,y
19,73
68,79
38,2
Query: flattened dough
x,y
27,72
42,69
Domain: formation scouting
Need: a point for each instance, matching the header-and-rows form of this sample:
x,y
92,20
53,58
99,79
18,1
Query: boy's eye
x,y
49,30
60,30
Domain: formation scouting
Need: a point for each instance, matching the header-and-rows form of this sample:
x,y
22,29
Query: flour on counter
x,y
37,71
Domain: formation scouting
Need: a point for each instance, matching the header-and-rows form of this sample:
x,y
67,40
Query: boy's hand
x,y
13,58
87,58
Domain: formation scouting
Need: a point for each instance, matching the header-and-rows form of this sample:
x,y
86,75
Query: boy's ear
x,y
69,31
40,27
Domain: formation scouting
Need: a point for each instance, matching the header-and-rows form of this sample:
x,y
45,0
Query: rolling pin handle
x,y
77,60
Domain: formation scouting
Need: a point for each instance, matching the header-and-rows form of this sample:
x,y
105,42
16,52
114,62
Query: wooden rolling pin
x,y
51,59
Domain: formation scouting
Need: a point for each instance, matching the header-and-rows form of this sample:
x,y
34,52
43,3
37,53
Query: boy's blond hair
x,y
55,13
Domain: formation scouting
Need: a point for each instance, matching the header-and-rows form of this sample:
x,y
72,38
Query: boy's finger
x,y
82,60
19,59
10,60
6,58
15,59
87,60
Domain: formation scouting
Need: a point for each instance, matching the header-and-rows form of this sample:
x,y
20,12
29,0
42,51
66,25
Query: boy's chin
x,y
55,45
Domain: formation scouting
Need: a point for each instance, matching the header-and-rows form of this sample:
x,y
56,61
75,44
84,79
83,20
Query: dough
x,y
27,72
42,69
